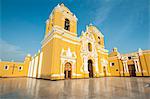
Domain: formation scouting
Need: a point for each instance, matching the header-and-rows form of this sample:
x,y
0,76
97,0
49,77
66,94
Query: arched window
x,y
90,47
6,67
20,68
67,25
99,40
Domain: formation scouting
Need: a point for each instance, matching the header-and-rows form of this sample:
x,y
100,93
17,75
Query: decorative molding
x,y
74,74
40,64
35,66
140,52
104,62
56,33
7,67
21,68
67,56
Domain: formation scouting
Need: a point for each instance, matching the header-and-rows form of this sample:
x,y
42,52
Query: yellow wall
x,y
13,68
58,39
145,63
58,17
143,60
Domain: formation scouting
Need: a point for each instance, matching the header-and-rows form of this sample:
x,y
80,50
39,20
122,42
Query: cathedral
x,y
64,55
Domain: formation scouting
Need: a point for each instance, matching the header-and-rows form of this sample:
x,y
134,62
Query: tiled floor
x,y
96,88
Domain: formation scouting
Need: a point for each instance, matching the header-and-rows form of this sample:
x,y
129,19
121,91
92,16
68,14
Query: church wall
x,y
13,69
147,59
47,59
144,61
115,69
56,66
79,63
102,57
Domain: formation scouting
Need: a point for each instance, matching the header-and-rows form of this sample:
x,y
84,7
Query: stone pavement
x,y
94,88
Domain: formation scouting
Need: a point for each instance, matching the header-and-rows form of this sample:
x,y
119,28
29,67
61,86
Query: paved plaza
x,y
94,88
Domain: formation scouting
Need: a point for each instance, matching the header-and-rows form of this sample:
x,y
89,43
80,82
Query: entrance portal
x,y
67,70
132,70
90,68
104,70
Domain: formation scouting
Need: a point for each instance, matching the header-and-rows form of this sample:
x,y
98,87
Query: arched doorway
x,y
132,70
68,70
90,68
104,70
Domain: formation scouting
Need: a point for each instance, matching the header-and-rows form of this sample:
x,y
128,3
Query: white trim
x,y
29,68
74,74
57,75
40,64
125,65
136,70
59,37
111,64
67,56
32,67
7,67
35,66
20,69
139,67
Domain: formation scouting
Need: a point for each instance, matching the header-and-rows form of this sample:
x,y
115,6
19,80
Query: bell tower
x,y
62,19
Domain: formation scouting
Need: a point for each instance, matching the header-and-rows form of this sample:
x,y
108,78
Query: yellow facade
x,y
14,69
61,45
132,64
63,55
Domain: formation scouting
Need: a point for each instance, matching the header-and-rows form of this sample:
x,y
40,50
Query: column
x,y
124,66
96,65
29,68
139,67
135,66
62,67
40,65
35,66
85,64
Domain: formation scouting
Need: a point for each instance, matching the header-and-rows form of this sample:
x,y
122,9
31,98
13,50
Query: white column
x,y
135,66
73,66
127,66
35,67
124,66
139,67
85,60
62,66
40,65
106,70
32,67
96,65
29,68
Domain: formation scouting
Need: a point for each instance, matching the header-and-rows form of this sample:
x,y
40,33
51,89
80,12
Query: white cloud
x,y
103,11
10,52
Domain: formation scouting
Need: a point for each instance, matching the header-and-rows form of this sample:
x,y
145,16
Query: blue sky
x,y
124,23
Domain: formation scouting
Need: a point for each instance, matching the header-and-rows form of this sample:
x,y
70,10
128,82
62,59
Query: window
x,y
20,68
99,42
6,67
90,47
129,57
112,64
67,25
